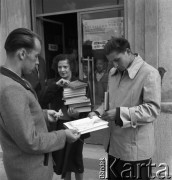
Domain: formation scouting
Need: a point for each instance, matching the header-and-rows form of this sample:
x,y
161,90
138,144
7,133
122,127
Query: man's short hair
x,y
20,38
116,44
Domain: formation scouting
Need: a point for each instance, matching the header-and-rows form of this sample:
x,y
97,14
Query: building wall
x,y
163,133
163,136
14,14
149,29
165,47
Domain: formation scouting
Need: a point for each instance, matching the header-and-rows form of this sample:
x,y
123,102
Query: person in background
x,y
24,136
74,57
101,80
134,103
85,72
70,158
38,79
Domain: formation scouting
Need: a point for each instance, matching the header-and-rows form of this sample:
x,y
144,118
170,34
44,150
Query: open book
x,y
86,125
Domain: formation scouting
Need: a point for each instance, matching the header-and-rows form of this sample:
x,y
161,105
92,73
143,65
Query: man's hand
x,y
91,114
63,82
109,115
72,135
53,116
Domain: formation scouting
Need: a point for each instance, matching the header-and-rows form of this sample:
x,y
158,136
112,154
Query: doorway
x,y
84,33
60,36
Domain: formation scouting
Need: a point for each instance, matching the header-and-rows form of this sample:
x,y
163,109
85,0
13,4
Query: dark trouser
x,y
130,170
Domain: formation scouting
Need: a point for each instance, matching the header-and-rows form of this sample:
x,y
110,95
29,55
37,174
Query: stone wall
x,y
13,14
165,47
149,29
163,136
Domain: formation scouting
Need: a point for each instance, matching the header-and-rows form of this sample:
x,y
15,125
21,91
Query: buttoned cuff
x,y
126,115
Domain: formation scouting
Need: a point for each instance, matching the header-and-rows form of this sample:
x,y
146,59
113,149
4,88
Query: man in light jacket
x,y
24,137
134,89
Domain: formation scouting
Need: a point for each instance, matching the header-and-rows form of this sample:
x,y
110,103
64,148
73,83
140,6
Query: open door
x,y
59,35
53,41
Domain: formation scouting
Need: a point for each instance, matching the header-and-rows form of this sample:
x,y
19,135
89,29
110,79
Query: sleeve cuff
x,y
98,114
46,117
100,109
126,118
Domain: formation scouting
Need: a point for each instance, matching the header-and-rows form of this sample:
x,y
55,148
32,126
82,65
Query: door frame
x,y
59,23
37,24
79,20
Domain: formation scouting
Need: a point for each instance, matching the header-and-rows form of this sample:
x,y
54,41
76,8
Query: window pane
x,y
100,26
97,29
50,6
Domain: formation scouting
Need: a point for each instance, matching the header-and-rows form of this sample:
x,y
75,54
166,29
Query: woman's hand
x,y
53,116
73,113
63,82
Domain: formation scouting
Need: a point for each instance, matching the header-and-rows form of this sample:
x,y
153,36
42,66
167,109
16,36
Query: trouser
x,y
128,170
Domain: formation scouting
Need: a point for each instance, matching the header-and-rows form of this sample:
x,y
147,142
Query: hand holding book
x,y
92,114
72,135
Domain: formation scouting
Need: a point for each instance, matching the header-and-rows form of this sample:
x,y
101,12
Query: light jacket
x,y
138,95
24,137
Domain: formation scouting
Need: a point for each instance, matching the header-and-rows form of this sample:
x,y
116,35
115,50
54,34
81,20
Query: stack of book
x,y
75,96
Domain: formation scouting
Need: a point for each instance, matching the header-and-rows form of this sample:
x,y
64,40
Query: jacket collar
x,y
133,69
15,77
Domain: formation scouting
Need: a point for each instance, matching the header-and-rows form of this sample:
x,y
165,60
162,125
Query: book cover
x,y
73,96
83,109
77,100
86,125
80,104
77,84
70,91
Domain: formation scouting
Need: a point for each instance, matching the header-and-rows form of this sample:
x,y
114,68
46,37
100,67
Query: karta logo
x,y
129,171
112,168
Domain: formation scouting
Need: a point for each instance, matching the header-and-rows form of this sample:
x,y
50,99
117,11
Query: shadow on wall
x,y
162,71
166,107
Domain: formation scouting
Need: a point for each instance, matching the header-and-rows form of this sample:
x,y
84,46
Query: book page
x,y
87,125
